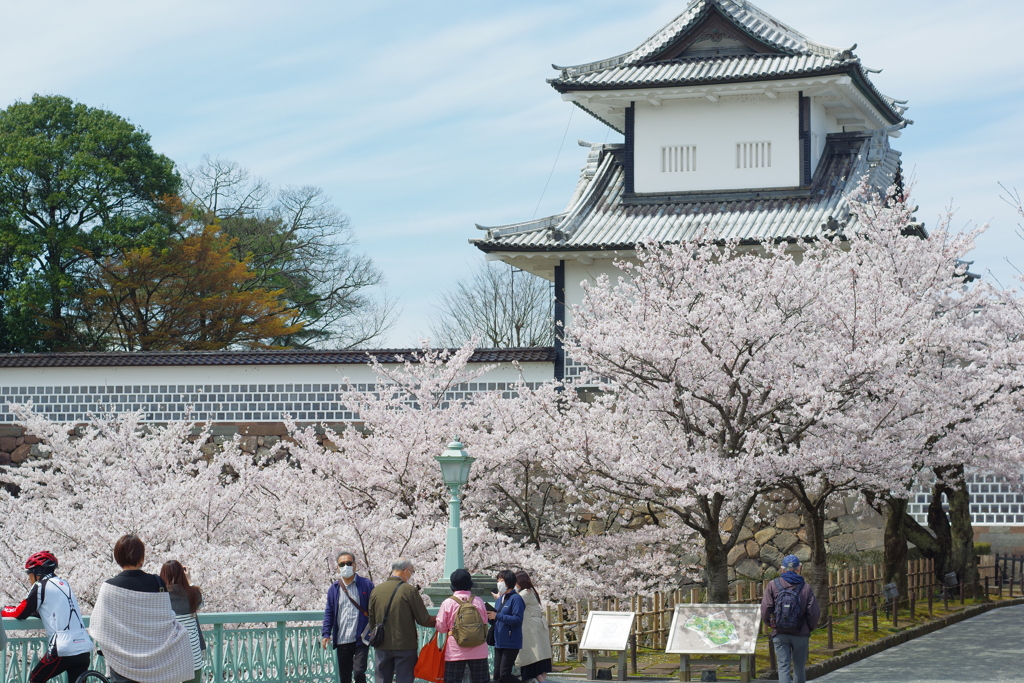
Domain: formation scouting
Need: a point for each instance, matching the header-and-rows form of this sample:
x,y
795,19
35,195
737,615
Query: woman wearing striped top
x,y
186,600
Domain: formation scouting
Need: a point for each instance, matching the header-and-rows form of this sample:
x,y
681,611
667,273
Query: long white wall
x,y
715,129
222,393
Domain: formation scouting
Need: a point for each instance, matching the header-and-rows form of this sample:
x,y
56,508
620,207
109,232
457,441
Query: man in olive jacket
x,y
396,656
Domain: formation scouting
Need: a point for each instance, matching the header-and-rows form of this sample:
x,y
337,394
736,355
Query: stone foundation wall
x,y
852,528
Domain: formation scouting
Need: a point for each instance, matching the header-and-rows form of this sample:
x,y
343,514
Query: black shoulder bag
x,y
376,637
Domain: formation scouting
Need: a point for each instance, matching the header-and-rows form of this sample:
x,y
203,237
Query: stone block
x,y
248,444
753,549
209,449
745,534
785,540
5,458
750,569
843,544
728,525
770,556
836,508
263,429
870,519
223,430
11,430
852,502
831,529
803,552
789,520
8,443
869,539
739,552
36,451
20,454
263,451
802,534
271,440
764,535
848,524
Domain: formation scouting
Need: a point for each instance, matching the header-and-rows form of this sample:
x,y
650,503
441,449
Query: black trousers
x,y
51,666
504,660
352,659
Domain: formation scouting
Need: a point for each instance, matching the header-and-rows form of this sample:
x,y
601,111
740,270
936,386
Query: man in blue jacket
x,y
345,619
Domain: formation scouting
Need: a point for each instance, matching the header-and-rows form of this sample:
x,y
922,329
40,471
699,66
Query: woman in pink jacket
x,y
457,657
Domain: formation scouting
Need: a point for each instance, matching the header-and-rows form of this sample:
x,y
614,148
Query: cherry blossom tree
x,y
852,363
710,353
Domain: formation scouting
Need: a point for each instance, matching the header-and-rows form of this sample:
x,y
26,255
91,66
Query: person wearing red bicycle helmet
x,y
69,646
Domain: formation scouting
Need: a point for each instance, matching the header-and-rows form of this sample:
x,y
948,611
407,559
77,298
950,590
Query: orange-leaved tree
x,y
189,295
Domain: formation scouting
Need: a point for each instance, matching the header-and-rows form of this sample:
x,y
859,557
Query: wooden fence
x,y
850,590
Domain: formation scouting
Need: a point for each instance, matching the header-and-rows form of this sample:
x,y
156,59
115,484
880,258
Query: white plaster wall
x,y
715,128
576,273
822,123
224,393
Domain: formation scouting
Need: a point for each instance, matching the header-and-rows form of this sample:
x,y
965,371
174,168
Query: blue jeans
x,y
791,652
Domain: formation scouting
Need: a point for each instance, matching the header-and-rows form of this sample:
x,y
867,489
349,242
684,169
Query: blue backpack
x,y
788,615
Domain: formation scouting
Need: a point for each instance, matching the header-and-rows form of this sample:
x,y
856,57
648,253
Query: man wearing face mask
x,y
345,618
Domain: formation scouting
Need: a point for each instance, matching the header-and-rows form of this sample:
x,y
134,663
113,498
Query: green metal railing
x,y
241,647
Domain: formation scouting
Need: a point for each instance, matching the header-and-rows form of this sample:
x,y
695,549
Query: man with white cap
x,y
790,608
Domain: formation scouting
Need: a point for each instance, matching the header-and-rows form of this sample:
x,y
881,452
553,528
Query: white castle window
x,y
753,155
679,159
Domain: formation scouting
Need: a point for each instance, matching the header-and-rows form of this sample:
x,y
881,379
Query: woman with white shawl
x,y
134,626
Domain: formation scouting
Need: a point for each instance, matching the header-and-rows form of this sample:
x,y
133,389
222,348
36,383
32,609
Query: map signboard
x,y
607,631
714,629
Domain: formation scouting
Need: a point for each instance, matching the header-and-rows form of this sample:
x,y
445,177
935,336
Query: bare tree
x,y
503,306
296,240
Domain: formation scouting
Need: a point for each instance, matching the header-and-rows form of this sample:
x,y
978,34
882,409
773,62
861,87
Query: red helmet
x,y
41,563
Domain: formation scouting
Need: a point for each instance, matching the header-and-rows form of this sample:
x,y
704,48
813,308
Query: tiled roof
x,y
601,219
158,358
700,70
753,20
792,55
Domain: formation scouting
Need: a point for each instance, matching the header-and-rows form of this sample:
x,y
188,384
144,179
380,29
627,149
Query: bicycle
x,y
92,676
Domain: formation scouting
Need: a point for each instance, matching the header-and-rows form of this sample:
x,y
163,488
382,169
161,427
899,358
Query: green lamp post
x,y
455,464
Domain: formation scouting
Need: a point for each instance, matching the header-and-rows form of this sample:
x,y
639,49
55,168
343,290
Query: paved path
x,y
989,647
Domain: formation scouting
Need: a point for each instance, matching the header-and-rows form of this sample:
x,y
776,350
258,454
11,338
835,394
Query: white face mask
x,y
347,572
502,587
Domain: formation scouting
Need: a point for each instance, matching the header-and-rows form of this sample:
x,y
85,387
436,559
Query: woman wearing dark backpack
x,y
790,608
534,659
452,619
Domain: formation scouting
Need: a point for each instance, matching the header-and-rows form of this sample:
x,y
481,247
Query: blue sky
x,y
421,119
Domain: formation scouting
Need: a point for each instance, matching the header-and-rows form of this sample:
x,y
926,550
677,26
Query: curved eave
x,y
853,70
492,247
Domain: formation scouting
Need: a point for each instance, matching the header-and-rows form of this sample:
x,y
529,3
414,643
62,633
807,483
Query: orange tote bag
x,y
430,664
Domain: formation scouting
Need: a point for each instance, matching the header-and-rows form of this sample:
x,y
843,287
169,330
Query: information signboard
x,y
607,631
714,629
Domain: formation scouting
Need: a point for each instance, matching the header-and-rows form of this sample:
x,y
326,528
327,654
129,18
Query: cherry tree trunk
x,y
716,569
938,523
894,563
817,569
963,560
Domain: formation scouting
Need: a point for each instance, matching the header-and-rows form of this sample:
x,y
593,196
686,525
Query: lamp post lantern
x,y
455,464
